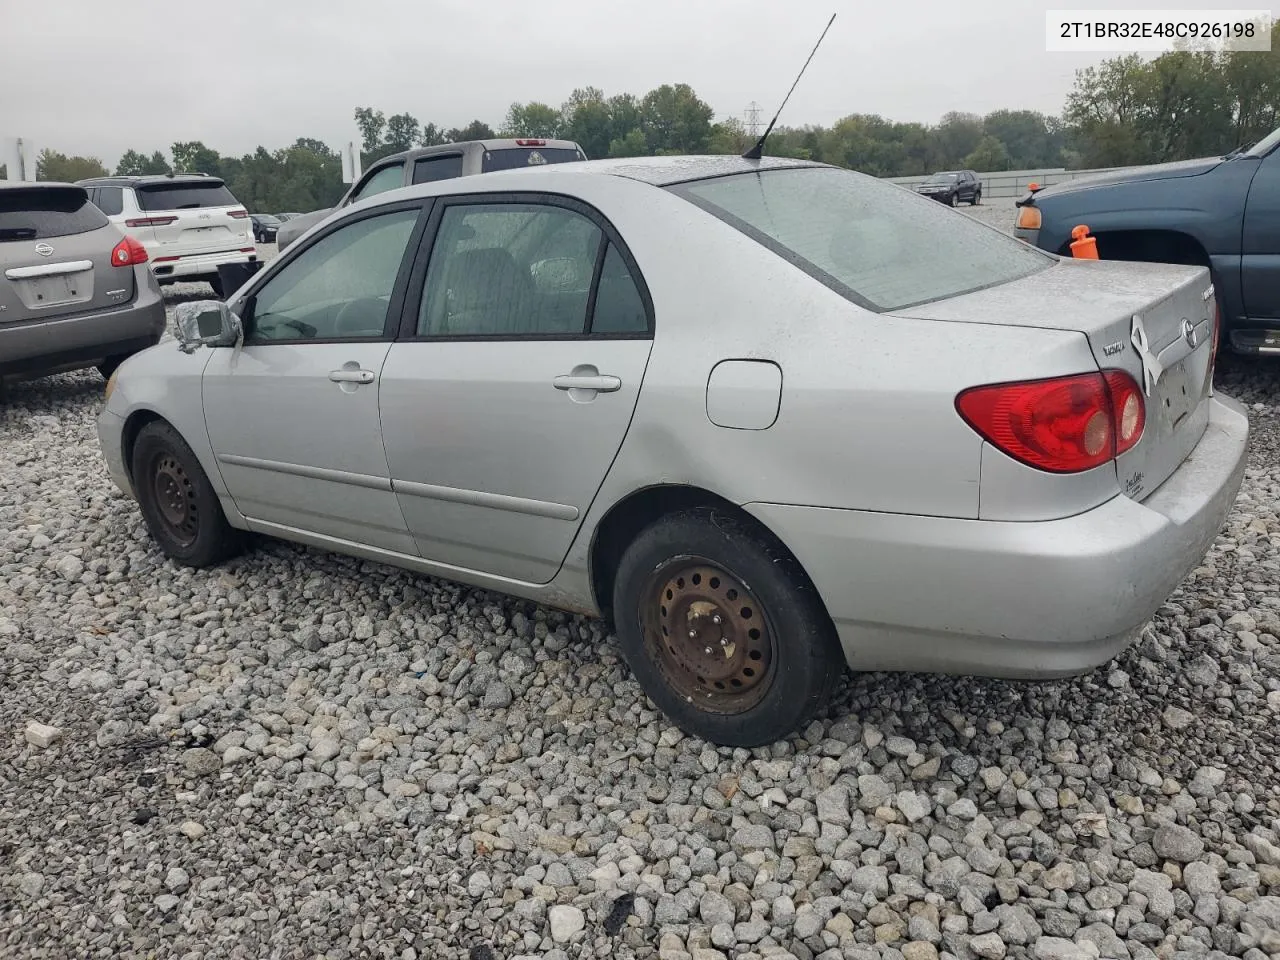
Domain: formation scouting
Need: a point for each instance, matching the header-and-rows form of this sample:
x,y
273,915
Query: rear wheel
x,y
977,197
723,630
178,502
951,200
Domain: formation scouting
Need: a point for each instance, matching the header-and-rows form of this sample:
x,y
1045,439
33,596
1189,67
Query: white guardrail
x,y
1013,183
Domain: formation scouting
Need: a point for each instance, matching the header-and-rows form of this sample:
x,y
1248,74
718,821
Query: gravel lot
x,y
301,755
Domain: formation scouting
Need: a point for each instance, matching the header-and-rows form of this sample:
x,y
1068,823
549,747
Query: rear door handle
x,y
601,383
351,376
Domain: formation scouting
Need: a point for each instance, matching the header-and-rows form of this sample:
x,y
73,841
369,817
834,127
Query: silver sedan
x,y
770,417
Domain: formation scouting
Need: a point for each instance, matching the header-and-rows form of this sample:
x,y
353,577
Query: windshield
x,y
515,157
1264,145
267,218
882,246
941,178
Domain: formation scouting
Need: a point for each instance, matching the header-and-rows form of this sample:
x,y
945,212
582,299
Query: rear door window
x,y
430,169
38,213
185,196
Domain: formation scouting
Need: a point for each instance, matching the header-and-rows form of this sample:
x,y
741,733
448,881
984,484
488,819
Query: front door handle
x,y
351,376
601,383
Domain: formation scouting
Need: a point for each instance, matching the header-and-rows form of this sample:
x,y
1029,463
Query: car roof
x,y
148,179
36,184
666,171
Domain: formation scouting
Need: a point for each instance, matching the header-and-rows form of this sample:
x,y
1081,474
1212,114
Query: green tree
x,y
585,119
958,135
624,115
989,155
135,164
475,130
532,119
674,119
729,137
632,145
371,124
430,135
51,165
1028,136
403,131
192,156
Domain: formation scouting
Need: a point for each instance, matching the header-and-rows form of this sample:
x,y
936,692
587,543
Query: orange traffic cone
x,y
1083,246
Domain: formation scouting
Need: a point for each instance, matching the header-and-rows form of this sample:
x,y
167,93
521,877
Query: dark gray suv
x,y
74,290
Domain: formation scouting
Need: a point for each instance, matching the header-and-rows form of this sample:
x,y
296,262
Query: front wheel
x,y
723,630
178,502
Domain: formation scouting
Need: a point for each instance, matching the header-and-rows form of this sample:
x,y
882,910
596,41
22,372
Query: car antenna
x,y
756,152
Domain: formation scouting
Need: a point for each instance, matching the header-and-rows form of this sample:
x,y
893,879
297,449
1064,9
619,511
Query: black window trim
x,y
395,306
408,332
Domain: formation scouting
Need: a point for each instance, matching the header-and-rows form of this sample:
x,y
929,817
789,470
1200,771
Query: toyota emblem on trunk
x,y
1189,333
44,250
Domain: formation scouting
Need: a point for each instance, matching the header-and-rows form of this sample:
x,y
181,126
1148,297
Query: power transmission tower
x,y
753,119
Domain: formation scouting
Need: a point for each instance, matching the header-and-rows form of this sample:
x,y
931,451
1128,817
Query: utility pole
x,y
752,120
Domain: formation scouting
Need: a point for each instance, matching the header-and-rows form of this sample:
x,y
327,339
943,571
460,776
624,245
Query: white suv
x,y
189,224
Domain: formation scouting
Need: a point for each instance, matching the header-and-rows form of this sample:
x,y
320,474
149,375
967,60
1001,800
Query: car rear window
x,y
37,213
513,158
185,196
878,244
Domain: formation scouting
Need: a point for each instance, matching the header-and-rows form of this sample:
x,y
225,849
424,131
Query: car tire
x,y
770,670
177,500
951,199
977,198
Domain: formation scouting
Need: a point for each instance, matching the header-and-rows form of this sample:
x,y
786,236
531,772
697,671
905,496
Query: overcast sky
x,y
88,77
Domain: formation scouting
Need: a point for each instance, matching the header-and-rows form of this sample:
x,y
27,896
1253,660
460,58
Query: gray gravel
x,y
303,755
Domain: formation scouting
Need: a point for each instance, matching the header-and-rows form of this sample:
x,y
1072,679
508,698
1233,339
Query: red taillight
x,y
128,253
531,143
151,222
1062,425
238,214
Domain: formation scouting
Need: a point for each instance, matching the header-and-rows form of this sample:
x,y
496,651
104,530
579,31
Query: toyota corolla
x,y
770,417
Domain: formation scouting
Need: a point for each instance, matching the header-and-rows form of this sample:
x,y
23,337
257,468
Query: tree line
x,y
1125,111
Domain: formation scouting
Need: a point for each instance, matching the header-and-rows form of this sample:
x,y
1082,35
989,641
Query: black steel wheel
x,y
178,502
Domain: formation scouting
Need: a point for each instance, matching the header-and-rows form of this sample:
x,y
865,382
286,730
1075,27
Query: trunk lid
x,y
55,255
1154,321
194,216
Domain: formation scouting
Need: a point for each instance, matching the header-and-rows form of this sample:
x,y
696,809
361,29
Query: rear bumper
x,y
199,264
67,343
1007,599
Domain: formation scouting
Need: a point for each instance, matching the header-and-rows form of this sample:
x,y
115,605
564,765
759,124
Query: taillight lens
x,y
1061,425
237,214
150,221
1029,218
128,253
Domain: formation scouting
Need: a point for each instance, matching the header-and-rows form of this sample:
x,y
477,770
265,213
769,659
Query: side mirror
x,y
205,323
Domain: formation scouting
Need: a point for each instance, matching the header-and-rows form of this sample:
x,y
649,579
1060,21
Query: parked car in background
x,y
74,291
1218,212
189,224
282,217
454,379
952,187
265,226
443,162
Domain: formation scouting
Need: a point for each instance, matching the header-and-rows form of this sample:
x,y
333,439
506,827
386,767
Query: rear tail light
x,y
1061,425
238,214
531,143
128,253
151,222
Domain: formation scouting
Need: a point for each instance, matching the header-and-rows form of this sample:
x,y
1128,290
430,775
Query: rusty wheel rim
x,y
175,499
708,634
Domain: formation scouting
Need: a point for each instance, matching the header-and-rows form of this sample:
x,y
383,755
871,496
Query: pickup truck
x,y
1219,212
441,162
